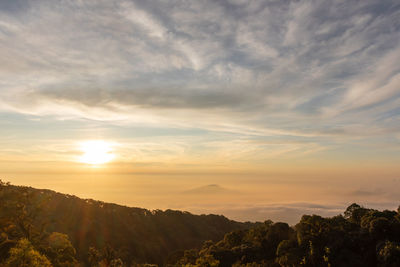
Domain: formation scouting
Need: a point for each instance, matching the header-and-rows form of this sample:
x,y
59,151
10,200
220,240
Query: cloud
x,y
365,193
283,67
168,98
278,212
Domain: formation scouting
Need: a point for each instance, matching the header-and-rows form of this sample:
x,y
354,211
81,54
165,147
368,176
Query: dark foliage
x,y
45,228
101,232
362,237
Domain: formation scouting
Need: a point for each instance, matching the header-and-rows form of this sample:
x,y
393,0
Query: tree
x,y
60,250
379,228
288,253
189,257
94,257
389,255
19,212
24,255
354,213
116,263
233,238
207,261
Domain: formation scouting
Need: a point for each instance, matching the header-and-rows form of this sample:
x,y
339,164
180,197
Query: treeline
x,y
53,229
45,228
360,237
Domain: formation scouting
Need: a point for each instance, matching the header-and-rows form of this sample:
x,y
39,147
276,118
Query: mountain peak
x,y
208,189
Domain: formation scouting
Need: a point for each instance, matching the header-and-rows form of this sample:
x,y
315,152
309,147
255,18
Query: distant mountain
x,y
134,234
208,189
36,227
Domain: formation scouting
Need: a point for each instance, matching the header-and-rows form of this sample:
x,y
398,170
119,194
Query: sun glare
x,y
96,152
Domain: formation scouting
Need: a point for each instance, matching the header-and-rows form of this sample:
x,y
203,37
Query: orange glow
x,y
96,152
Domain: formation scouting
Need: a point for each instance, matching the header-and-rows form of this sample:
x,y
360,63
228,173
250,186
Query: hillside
x,y
361,238
45,228
129,234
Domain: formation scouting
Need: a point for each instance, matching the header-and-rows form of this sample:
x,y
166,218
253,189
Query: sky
x,y
251,109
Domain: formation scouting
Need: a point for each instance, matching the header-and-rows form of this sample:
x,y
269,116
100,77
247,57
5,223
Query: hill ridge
x,y
135,233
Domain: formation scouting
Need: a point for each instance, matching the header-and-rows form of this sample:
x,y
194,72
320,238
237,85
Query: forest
x,y
44,228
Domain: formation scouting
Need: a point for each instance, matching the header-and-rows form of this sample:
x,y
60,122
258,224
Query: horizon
x,y
288,107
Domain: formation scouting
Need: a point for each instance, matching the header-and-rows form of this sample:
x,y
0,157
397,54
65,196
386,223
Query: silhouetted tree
x,y
354,213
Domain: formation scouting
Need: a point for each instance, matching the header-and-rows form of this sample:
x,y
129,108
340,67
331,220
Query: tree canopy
x,y
45,228
359,237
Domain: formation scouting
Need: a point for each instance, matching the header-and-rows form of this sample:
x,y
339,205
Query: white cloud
x,y
263,67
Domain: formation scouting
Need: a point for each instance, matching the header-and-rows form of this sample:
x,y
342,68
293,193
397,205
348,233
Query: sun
x,y
96,152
